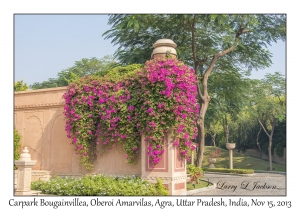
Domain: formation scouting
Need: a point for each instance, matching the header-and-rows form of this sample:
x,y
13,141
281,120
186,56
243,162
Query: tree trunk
x,y
227,133
270,153
213,139
257,142
270,140
203,95
201,134
259,149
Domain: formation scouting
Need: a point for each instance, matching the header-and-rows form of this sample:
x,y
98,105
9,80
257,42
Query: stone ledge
x,y
40,90
38,106
165,178
30,193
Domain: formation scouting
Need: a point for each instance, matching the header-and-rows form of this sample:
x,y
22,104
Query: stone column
x,y
24,165
230,147
171,169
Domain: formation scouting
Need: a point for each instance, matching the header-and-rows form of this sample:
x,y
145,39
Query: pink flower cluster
x,y
160,99
177,85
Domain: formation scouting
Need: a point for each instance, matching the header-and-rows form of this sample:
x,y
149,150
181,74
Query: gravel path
x,y
256,185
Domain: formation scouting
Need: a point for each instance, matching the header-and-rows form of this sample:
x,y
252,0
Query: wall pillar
x,y
24,165
171,169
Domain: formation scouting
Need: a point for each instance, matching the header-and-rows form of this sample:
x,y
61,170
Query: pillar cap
x,y
230,146
164,47
25,155
164,42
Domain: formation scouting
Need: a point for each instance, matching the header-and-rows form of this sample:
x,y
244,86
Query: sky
x,y
47,44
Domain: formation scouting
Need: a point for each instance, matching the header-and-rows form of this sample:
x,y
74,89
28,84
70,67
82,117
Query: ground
x,y
272,184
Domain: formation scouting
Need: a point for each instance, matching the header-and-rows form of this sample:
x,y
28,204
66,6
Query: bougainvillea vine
x,y
154,100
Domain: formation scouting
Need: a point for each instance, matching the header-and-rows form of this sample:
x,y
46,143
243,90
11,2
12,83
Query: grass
x,y
240,161
202,184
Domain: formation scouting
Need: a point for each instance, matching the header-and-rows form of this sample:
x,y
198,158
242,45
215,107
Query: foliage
x,y
279,149
243,147
195,172
269,106
100,185
223,144
17,145
265,148
208,42
268,99
20,86
214,128
215,153
246,128
84,67
109,109
226,170
135,34
202,184
225,107
92,109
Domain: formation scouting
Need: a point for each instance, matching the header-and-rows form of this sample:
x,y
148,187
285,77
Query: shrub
x,y
17,145
195,172
100,185
226,170
279,149
223,145
243,147
20,86
215,153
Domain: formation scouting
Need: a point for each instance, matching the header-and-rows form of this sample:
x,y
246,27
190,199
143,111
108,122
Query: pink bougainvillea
x,y
156,100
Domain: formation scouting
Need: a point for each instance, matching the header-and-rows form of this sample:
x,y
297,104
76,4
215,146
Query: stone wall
x,y
39,118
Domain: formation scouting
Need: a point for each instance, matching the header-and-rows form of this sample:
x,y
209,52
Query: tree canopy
x,y
198,37
20,86
84,67
209,43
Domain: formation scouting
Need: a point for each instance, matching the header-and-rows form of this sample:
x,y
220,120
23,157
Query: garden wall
x,y
39,118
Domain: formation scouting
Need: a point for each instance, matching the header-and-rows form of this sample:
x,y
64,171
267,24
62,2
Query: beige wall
x,y
39,118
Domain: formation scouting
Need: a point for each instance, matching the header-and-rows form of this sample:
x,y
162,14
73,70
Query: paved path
x,y
234,185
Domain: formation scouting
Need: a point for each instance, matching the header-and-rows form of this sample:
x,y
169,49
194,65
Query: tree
x,y
269,106
213,129
224,105
244,130
81,68
206,42
20,86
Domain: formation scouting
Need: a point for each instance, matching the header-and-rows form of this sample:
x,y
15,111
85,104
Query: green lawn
x,y
201,184
240,161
